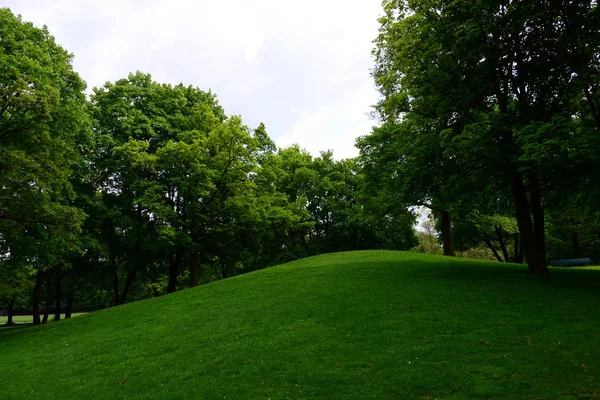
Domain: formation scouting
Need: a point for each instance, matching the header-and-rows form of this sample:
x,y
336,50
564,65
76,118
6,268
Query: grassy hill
x,y
362,325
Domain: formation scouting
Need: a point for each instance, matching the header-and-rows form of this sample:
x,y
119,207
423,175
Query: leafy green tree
x,y
501,77
42,120
16,282
342,217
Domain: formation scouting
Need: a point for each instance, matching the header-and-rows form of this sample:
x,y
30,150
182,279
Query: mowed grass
x,y
357,325
28,319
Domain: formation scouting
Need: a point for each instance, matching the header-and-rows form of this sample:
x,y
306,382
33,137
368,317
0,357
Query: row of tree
x,y
490,117
143,188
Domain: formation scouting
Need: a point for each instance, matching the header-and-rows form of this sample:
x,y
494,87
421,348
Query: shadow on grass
x,y
15,326
457,270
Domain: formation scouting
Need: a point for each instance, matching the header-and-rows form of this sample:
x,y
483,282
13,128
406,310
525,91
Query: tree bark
x,y
69,310
490,245
136,259
500,235
531,249
58,293
174,264
537,209
115,271
130,277
36,297
224,271
447,234
518,255
48,297
354,239
194,268
11,310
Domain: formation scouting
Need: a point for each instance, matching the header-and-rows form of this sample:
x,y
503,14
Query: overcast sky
x,y
301,67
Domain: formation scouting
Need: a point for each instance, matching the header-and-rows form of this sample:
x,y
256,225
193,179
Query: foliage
x,y
487,102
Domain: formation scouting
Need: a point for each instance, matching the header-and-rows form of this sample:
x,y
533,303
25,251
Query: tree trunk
x,y
500,235
493,249
69,310
518,254
194,268
115,271
36,297
447,234
58,292
354,239
224,271
531,249
136,259
11,310
174,264
48,298
129,282
537,209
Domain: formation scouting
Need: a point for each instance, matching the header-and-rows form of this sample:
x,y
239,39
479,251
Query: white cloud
x,y
300,67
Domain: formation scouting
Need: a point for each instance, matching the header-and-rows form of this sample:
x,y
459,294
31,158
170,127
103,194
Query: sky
x,y
300,67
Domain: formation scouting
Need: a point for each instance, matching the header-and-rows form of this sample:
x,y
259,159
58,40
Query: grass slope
x,y
371,324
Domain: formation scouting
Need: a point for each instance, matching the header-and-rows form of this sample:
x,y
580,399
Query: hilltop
x,y
369,324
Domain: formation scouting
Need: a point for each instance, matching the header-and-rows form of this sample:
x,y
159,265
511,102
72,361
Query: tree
x,y
15,285
42,119
502,76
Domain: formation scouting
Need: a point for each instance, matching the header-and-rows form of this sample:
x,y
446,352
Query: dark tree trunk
x,y
136,259
576,247
500,235
48,297
115,271
174,264
490,245
354,239
46,313
537,209
11,310
194,268
447,234
532,252
37,296
69,310
518,255
58,292
224,271
130,279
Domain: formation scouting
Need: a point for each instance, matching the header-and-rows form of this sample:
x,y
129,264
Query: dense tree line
x,y
490,118
144,188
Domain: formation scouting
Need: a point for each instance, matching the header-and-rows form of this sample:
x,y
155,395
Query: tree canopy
x,y
488,117
485,102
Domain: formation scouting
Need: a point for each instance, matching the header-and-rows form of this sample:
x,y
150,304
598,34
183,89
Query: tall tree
x,y
501,75
42,120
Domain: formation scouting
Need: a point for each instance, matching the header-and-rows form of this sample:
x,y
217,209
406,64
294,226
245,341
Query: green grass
x,y
28,319
359,325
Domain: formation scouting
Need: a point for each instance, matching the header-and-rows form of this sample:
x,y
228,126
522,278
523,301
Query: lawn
x,y
358,325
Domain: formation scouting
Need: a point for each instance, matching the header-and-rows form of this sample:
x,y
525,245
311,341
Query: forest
x,y
488,123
